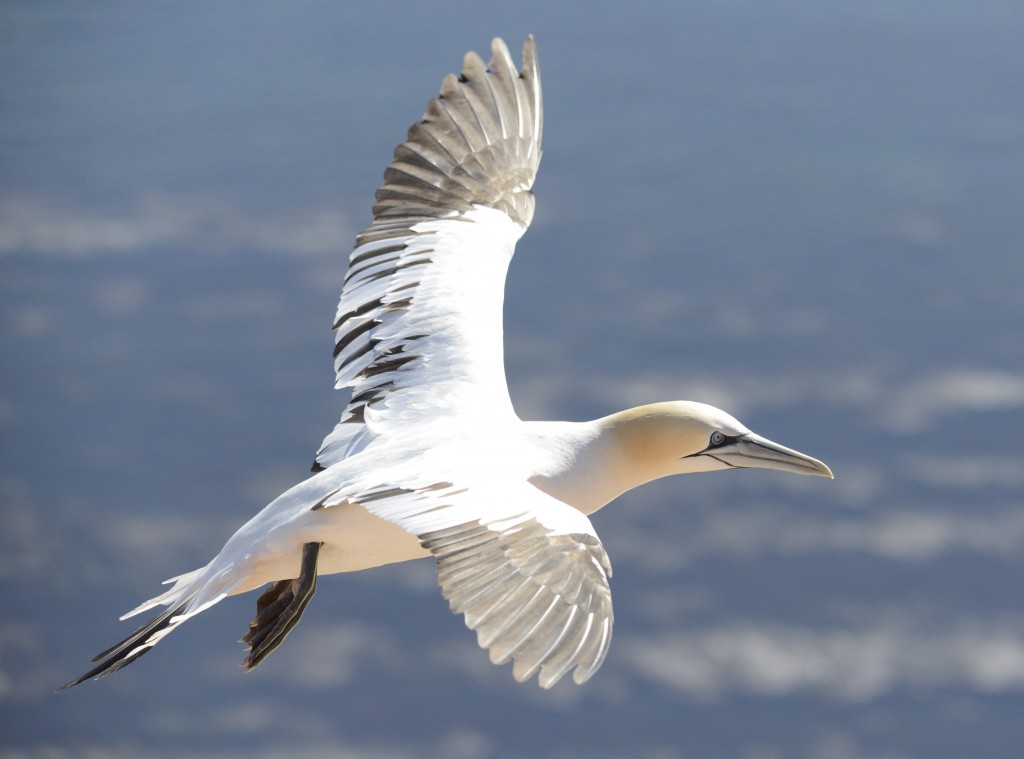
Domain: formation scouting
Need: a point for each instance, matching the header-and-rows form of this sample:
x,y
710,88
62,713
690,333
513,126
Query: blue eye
x,y
717,438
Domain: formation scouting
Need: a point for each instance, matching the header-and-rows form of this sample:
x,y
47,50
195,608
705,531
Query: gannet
x,y
429,458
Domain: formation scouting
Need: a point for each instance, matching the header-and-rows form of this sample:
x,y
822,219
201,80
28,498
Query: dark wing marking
x,y
403,307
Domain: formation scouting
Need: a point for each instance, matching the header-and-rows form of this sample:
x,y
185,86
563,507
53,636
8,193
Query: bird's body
x,y
429,457
354,538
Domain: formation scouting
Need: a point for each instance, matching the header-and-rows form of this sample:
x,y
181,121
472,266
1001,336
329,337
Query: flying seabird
x,y
429,457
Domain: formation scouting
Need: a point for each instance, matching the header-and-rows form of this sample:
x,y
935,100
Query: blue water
x,y
807,213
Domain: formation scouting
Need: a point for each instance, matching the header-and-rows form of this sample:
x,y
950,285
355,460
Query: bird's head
x,y
678,437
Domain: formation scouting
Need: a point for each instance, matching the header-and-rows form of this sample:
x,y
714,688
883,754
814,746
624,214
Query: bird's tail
x,y
190,595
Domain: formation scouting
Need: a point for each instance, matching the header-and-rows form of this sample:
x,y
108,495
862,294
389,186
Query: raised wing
x,y
418,327
531,576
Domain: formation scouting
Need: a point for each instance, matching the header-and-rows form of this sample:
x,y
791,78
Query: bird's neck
x,y
589,464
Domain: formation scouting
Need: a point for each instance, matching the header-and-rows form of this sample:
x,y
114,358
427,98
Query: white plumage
x,y
429,457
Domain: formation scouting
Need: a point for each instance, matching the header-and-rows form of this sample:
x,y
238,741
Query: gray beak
x,y
752,450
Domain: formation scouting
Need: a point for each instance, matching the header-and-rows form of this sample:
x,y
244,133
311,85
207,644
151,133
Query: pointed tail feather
x,y
135,645
179,588
182,601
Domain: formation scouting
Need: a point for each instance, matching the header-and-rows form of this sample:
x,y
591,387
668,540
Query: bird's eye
x,y
717,438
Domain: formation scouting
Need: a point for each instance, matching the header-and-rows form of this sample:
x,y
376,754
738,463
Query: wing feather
x,y
535,595
418,325
527,572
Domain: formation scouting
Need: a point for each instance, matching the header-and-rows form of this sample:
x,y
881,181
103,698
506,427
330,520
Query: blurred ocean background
x,y
808,213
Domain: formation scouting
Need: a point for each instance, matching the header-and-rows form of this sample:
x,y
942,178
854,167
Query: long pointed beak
x,y
752,450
